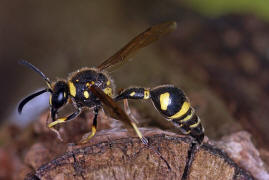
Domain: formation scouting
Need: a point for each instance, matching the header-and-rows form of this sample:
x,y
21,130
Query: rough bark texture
x,y
115,155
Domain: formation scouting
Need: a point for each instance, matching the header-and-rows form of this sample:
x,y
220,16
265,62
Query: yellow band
x,y
188,117
195,124
184,109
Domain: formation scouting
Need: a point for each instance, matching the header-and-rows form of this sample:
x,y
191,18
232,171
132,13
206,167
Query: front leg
x,y
63,120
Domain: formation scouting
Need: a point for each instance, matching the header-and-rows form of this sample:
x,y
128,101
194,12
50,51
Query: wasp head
x,y
58,97
59,92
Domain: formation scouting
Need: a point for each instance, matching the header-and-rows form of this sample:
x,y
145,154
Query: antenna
x,y
29,65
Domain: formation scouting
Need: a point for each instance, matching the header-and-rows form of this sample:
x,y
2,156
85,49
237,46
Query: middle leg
x,y
128,110
94,126
138,93
134,93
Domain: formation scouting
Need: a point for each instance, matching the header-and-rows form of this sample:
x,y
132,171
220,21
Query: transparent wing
x,y
112,106
147,37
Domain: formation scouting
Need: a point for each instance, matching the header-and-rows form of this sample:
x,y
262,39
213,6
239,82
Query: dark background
x,y
219,54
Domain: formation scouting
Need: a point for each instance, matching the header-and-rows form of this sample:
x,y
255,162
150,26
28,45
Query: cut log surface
x,y
117,155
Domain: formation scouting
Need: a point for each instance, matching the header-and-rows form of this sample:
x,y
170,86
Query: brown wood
x,y
116,155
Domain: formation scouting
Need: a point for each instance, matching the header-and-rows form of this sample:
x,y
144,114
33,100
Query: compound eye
x,y
59,99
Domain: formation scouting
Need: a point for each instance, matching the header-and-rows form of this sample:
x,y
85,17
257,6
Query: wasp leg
x,y
128,111
138,93
133,93
140,135
94,126
63,120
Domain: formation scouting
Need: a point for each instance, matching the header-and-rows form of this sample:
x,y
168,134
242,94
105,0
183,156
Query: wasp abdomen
x,y
175,106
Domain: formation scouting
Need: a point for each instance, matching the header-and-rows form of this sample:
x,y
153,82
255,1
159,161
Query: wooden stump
x,y
116,155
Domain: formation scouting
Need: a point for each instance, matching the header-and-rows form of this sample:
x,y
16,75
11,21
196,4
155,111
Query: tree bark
x,y
116,155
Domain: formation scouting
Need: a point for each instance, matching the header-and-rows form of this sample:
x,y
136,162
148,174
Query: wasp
x,y
93,87
173,104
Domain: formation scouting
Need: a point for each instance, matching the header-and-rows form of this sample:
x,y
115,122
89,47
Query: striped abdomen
x,y
175,106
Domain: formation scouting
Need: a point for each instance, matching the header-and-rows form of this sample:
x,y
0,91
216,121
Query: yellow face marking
x,y
72,88
108,83
184,109
132,94
146,94
108,91
165,100
86,94
77,80
195,124
50,100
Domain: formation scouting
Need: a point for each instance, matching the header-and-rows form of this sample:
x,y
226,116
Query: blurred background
x,y
219,55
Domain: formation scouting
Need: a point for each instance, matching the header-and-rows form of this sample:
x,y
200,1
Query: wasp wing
x,y
147,37
114,109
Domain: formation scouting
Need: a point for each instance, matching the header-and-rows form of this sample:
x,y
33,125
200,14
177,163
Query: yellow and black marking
x,y
88,84
92,87
94,125
58,121
72,88
108,91
134,93
108,83
164,101
50,100
86,94
146,94
172,103
80,90
64,119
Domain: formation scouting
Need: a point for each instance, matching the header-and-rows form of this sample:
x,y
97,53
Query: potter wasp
x,y
93,88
